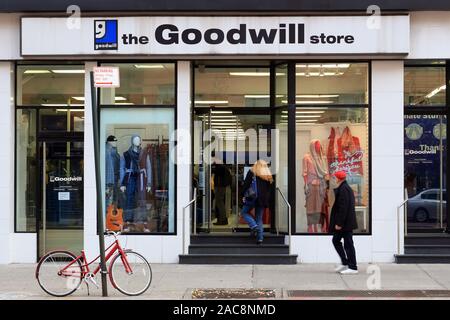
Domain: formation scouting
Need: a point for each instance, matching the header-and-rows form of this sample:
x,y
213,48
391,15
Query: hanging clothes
x,y
315,172
350,154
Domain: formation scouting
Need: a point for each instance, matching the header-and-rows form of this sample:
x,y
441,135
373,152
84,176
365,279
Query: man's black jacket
x,y
343,211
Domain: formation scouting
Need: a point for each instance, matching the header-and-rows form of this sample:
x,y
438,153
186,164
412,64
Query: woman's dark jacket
x,y
343,211
263,191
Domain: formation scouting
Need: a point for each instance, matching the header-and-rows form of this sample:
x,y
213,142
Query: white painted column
x,y
183,155
91,244
7,162
387,157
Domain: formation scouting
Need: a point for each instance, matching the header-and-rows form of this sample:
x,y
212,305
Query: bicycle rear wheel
x,y
134,283
56,277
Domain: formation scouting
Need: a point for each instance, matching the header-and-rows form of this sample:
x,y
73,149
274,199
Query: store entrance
x,y
226,145
60,177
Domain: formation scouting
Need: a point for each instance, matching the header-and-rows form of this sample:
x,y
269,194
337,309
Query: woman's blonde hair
x,y
261,170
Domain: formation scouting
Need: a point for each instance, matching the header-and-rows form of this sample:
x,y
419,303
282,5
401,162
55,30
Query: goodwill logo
x,y
106,35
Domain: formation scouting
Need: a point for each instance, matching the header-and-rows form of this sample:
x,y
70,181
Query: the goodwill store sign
x,y
215,35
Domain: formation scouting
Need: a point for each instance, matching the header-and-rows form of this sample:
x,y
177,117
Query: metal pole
x,y
44,197
100,225
195,211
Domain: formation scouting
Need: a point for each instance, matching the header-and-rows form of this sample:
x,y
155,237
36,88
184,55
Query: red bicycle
x,y
60,273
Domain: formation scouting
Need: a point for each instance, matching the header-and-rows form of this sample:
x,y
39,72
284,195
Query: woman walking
x,y
256,195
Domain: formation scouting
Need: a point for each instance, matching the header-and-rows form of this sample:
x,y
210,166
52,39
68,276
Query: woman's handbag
x,y
251,194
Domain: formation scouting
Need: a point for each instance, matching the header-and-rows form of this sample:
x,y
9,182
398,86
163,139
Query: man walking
x,y
222,180
342,223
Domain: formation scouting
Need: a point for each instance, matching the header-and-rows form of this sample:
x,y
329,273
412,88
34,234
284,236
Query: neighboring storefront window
x,y
141,84
425,171
138,172
232,86
331,137
425,146
55,86
425,85
26,171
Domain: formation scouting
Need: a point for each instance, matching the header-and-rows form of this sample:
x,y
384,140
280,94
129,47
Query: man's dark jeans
x,y
347,253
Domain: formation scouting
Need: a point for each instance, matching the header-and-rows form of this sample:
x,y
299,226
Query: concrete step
x,y
238,249
427,249
238,259
235,238
428,239
422,258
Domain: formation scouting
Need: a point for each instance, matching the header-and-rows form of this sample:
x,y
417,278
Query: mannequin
x,y
136,183
315,175
112,169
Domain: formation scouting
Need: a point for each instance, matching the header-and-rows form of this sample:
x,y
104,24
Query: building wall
x,y
430,35
429,39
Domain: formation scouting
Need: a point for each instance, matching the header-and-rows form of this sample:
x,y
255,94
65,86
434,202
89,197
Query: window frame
x,y
175,119
292,106
442,110
109,62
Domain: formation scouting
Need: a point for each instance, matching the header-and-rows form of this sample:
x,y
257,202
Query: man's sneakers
x,y
340,268
349,271
345,270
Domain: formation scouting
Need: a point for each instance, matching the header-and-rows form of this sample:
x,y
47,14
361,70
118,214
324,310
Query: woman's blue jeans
x,y
258,224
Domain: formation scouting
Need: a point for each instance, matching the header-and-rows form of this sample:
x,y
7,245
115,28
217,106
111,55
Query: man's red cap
x,y
341,175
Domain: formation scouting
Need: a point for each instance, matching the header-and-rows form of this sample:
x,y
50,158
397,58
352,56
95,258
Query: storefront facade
x,y
311,94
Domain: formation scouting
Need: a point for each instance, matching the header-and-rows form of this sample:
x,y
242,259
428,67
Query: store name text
x,y
168,34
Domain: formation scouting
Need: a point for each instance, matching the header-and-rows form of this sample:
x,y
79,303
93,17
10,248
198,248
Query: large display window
x,y
331,134
138,172
330,140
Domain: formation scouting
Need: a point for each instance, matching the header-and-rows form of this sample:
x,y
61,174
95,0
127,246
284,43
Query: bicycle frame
x,y
111,250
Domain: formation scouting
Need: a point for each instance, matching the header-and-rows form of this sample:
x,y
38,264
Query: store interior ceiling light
x,y
318,74
115,98
69,71
318,96
38,71
149,66
254,74
123,103
326,65
212,102
309,101
70,110
61,105
436,91
304,116
221,112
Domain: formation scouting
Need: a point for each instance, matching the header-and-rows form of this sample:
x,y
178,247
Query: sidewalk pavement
x,y
174,281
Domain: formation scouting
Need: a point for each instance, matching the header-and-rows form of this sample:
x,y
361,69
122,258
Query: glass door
x,y
226,145
61,184
425,172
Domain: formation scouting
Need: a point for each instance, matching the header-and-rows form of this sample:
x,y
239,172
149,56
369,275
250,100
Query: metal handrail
x,y
289,219
405,225
194,200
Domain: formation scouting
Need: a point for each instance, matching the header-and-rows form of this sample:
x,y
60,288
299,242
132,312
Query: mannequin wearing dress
x,y
315,175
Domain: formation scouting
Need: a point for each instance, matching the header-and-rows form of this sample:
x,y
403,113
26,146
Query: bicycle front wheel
x,y
131,283
59,273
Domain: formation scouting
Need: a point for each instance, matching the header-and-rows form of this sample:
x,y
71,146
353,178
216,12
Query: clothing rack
x,y
160,140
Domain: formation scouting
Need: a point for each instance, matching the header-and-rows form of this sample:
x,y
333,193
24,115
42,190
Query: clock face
x,y
414,131
440,131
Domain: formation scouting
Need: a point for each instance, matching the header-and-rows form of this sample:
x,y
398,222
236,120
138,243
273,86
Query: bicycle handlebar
x,y
112,233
